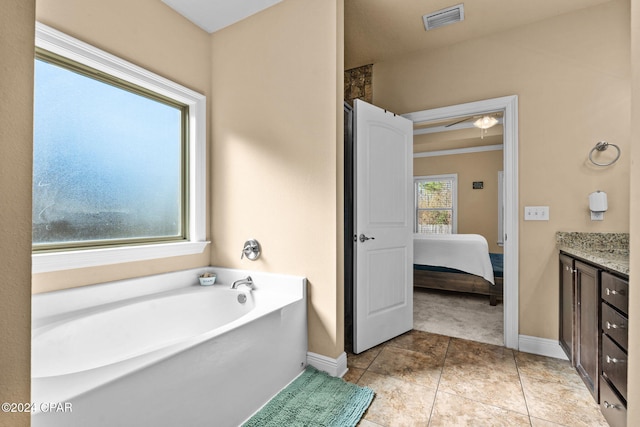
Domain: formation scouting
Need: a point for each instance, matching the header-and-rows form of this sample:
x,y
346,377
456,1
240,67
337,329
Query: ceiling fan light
x,y
485,122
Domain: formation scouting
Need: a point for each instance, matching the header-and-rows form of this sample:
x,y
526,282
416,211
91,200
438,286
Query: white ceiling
x,y
213,15
379,30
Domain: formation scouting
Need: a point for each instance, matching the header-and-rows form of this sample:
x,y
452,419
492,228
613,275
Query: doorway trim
x,y
509,106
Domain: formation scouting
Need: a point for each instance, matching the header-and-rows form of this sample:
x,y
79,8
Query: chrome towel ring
x,y
601,146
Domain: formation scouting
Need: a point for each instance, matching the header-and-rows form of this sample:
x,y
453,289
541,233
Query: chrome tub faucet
x,y
248,281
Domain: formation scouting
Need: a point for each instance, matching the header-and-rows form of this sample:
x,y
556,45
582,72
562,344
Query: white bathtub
x,y
164,351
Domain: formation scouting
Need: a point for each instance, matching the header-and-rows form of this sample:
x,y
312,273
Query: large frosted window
x,y
436,204
109,160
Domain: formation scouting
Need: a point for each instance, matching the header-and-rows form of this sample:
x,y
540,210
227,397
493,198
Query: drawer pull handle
x,y
610,405
613,292
614,360
614,326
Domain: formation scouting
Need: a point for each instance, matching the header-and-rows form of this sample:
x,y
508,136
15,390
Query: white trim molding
x,y
509,106
467,150
66,260
334,367
541,346
59,43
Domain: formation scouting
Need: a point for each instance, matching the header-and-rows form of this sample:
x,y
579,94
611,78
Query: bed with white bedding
x,y
457,262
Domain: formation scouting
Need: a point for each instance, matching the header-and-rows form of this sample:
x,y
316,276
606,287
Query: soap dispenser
x,y
597,205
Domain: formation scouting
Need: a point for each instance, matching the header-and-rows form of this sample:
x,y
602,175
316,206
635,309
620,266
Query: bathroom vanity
x,y
594,289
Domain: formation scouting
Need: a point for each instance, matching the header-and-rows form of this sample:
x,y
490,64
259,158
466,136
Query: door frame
x,y
509,106
349,224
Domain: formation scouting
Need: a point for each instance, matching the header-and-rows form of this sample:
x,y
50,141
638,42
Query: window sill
x,y
57,261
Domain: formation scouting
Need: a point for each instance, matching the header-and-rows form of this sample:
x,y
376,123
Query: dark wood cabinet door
x,y
615,291
611,406
587,347
567,305
614,365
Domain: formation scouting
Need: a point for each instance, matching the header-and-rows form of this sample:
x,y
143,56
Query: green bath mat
x,y
314,399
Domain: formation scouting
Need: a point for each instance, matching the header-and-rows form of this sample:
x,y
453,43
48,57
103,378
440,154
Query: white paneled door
x,y
383,285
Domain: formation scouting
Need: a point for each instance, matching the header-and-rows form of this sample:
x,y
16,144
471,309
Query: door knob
x,y
364,238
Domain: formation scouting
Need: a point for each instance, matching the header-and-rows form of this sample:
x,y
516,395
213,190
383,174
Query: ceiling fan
x,y
483,121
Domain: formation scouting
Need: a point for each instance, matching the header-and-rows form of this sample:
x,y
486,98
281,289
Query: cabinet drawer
x,y
615,325
611,406
614,365
615,291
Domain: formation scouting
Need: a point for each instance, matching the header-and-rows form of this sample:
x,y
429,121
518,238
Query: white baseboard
x,y
541,346
334,367
528,344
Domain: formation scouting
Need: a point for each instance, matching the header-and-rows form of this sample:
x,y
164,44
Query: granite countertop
x,y
610,250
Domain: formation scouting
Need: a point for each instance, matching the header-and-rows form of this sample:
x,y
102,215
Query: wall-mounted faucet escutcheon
x,y
251,250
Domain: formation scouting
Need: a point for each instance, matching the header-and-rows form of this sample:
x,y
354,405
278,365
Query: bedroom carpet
x,y
458,315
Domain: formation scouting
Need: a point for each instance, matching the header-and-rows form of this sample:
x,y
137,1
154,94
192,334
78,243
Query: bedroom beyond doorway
x,y
458,315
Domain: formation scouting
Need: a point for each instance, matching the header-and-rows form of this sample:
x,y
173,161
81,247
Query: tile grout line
x,y
435,395
366,370
524,395
543,380
497,406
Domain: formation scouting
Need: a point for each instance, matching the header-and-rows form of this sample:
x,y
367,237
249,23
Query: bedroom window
x,y
436,204
119,160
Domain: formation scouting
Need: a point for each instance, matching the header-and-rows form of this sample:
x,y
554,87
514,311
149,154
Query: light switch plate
x,y
536,213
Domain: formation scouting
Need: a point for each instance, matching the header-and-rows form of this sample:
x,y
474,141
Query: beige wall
x,y
571,74
138,32
277,88
16,110
145,32
477,209
633,416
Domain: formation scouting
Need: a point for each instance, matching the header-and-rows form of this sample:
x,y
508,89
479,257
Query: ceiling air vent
x,y
444,17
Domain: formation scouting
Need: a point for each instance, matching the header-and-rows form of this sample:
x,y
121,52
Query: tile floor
x,y
424,379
